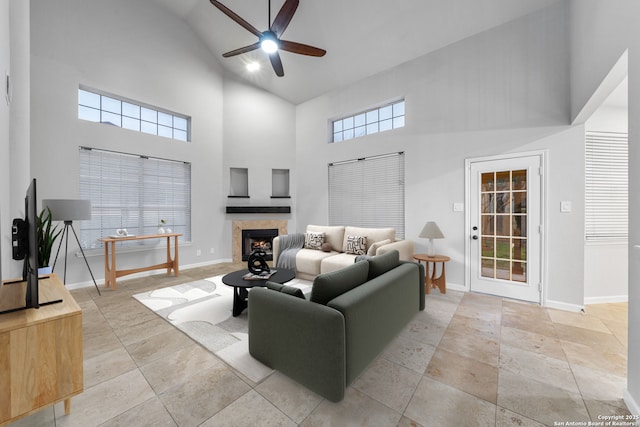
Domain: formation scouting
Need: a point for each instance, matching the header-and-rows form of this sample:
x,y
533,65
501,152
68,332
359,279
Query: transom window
x,y
387,117
96,106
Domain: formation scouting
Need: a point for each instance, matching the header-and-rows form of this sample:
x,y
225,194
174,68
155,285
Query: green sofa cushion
x,y
380,264
327,286
289,290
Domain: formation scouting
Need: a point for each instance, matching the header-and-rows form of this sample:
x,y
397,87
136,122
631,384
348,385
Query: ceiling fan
x,y
270,40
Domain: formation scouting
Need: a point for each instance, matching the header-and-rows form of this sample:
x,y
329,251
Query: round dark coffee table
x,y
241,286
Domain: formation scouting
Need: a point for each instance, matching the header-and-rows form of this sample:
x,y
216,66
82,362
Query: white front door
x,y
505,206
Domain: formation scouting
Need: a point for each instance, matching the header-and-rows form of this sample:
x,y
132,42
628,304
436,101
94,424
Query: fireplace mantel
x,y
259,209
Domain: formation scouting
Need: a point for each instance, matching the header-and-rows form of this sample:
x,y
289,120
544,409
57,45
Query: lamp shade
x,y
68,209
431,231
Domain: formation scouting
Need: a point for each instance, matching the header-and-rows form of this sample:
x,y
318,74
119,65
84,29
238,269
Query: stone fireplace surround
x,y
238,226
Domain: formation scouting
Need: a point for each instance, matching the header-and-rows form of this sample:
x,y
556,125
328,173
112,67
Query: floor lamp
x,y
69,210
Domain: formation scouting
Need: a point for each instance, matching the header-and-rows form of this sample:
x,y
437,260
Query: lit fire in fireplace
x,y
265,245
258,239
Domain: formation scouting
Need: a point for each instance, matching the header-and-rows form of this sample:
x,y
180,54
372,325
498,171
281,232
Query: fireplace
x,y
258,239
256,224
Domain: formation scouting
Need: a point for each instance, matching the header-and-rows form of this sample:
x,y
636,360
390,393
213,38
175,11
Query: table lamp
x,y
69,210
431,231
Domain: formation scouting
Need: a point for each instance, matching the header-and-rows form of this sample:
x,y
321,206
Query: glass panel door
x,y
505,219
504,232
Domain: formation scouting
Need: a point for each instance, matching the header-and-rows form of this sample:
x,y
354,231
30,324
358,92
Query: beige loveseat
x,y
336,248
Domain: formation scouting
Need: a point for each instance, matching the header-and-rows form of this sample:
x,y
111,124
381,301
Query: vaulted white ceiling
x,y
362,37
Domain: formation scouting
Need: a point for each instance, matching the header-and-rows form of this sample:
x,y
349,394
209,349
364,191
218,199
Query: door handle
x,y
474,237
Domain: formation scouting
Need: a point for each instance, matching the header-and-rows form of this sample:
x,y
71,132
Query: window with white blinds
x,y
368,192
133,192
606,186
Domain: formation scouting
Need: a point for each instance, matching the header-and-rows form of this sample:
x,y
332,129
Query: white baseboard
x,y
605,300
632,405
89,283
549,304
456,287
564,306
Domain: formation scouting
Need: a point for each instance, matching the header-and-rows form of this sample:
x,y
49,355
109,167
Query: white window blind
x,y
606,186
133,192
368,192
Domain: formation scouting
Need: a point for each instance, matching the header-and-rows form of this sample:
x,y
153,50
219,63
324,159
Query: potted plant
x,y
46,237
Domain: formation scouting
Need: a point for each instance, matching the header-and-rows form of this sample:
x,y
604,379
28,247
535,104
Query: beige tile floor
x,y
467,360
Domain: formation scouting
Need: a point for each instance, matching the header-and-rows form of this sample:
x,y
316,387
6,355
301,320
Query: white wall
x,y
14,124
259,135
601,31
139,51
135,50
503,91
5,66
606,263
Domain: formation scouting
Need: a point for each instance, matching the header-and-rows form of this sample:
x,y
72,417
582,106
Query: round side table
x,y
431,280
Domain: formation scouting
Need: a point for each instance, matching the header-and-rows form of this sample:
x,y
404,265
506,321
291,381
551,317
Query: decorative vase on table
x,y
256,263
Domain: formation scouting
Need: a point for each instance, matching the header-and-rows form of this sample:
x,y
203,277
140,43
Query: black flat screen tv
x,y
30,270
25,246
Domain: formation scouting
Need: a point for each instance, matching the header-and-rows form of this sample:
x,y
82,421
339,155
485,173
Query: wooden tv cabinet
x,y
40,350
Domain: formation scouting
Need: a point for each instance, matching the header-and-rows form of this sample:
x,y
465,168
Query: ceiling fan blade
x,y
302,49
234,16
242,50
276,62
284,17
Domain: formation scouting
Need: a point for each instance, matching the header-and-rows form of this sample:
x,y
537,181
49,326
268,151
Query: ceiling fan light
x,y
269,45
253,66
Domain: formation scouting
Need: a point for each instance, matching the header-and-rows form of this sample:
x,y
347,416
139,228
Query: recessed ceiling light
x,y
253,66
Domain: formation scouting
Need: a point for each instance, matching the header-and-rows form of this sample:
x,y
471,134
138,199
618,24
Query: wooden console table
x,y
110,272
40,350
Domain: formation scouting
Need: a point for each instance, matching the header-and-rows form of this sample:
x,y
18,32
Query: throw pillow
x,y
374,246
327,286
326,247
356,245
313,240
380,264
290,290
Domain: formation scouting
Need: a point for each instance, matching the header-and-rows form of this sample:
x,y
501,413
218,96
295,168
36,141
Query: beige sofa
x,y
312,262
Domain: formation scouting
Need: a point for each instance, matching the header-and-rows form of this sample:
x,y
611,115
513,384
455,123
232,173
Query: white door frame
x,y
543,154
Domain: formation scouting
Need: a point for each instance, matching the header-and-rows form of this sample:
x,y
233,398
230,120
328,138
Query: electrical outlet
x,y
458,207
212,251
198,252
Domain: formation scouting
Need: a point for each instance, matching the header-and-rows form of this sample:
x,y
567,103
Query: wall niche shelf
x,y
239,182
280,183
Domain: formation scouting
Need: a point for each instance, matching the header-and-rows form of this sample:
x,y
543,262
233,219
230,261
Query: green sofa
x,y
325,342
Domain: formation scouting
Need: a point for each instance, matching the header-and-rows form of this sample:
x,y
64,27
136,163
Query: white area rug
x,y
202,310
